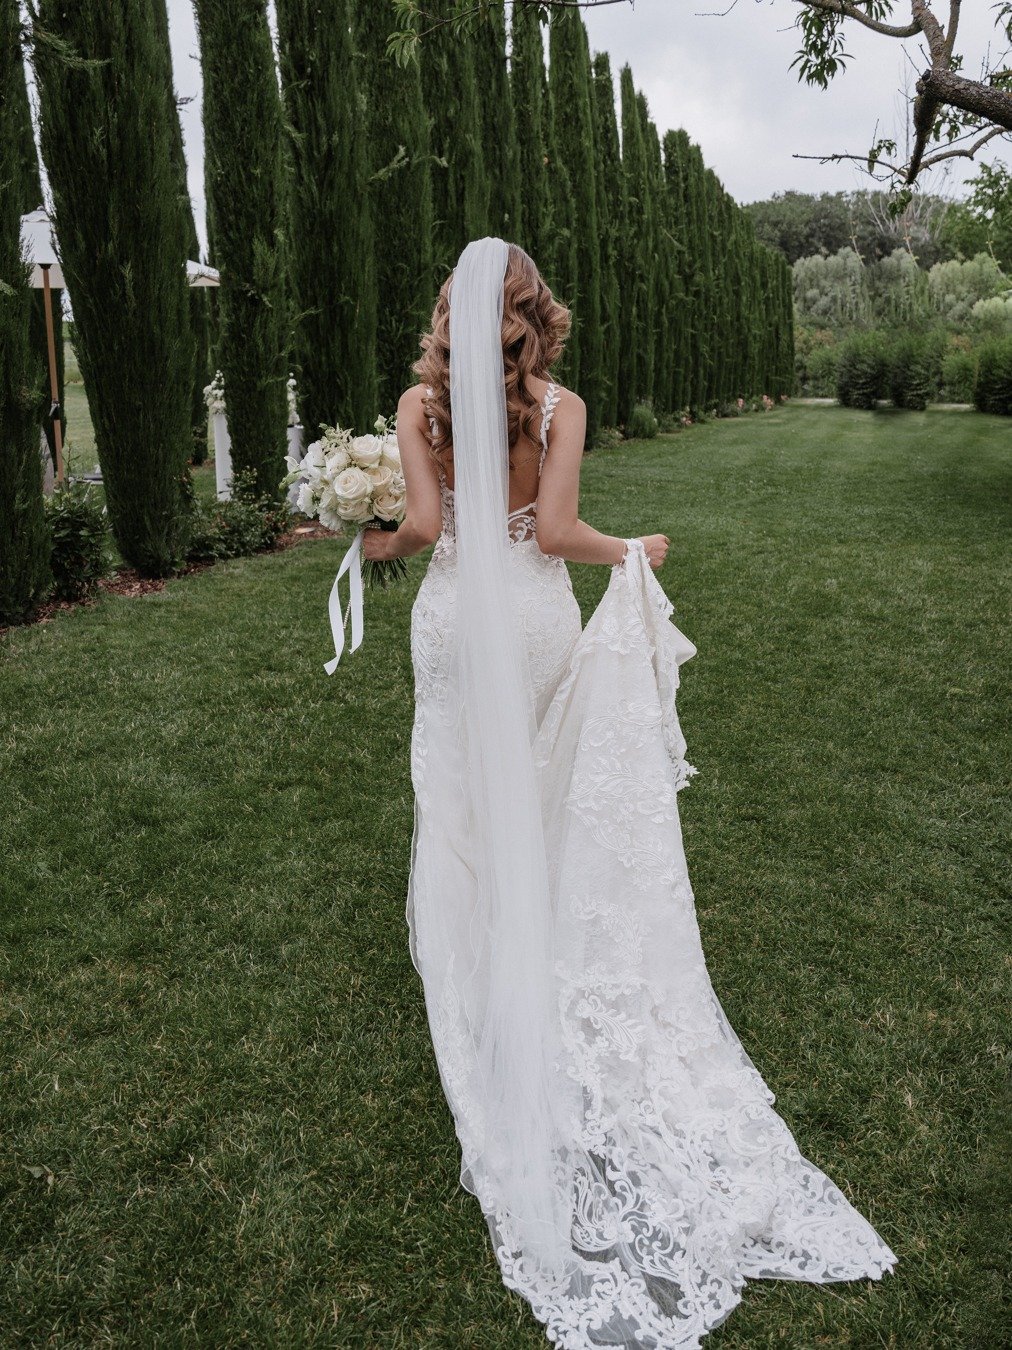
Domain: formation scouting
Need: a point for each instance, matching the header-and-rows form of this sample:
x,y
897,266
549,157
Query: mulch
x,y
128,581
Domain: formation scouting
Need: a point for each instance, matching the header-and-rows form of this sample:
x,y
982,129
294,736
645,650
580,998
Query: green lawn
x,y
211,1032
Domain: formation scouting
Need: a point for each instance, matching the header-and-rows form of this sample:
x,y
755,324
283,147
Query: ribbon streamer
x,y
352,564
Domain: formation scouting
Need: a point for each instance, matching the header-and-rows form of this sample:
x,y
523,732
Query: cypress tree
x,y
636,353
497,128
460,181
198,294
527,73
655,257
400,198
675,147
24,535
572,134
333,271
607,174
108,150
560,267
244,173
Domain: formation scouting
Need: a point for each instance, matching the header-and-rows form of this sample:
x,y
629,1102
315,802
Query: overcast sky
x,y
726,80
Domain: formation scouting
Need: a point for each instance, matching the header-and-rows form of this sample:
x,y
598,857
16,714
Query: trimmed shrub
x,y
80,555
959,372
992,392
910,372
642,424
248,523
820,376
862,370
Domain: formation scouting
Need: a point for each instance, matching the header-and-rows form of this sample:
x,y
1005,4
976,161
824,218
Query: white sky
x,y
725,78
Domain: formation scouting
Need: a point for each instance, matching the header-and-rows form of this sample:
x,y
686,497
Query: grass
x,y
211,1032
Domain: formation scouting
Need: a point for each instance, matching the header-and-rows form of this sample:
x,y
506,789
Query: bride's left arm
x,y
423,519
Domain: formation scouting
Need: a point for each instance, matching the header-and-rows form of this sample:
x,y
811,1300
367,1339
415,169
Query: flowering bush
x,y
214,394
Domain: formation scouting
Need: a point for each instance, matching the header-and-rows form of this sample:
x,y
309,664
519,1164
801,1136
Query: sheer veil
x,y
522,1154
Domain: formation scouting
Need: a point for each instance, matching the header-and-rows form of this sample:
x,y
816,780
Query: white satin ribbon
x,y
352,564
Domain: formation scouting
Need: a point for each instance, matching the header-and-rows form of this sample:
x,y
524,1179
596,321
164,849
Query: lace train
x,y
682,1180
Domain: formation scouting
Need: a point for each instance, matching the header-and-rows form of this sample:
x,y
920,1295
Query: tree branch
x,y
844,9
967,152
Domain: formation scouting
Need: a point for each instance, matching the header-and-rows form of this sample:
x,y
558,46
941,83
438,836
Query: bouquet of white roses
x,y
353,480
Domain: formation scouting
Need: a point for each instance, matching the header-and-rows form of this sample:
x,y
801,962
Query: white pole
x,y
222,457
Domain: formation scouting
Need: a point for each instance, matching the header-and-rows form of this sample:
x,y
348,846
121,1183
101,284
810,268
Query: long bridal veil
x,y
622,1145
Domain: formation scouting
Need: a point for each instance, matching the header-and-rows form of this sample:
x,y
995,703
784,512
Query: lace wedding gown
x,y
694,1183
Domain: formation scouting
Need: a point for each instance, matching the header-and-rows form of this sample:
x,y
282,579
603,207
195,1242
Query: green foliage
x,y
498,137
572,140
910,372
106,117
400,198
992,392
24,544
642,423
248,522
862,370
460,186
607,172
244,175
332,257
80,552
530,120
955,287
959,374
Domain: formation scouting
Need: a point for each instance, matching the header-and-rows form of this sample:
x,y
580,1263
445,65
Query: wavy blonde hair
x,y
534,331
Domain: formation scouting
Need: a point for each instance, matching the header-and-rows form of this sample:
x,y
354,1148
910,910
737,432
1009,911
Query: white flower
x,y
351,487
366,451
315,458
380,477
306,500
337,460
388,505
391,455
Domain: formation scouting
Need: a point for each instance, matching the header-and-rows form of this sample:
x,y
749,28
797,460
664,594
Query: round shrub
x,y
911,379
959,371
80,555
862,370
642,425
992,392
820,375
245,524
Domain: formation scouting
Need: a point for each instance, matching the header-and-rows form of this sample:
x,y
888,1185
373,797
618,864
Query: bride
x,y
623,1148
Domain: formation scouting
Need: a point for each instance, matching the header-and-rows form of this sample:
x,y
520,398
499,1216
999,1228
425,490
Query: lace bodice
x,y
521,522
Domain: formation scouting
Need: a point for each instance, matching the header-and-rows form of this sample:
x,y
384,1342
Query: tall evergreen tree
x,y
674,147
401,200
636,360
199,318
244,173
572,134
527,73
654,256
107,147
333,270
461,189
24,535
607,177
560,266
497,127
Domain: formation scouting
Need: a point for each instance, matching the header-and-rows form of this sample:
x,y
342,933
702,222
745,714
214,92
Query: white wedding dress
x,y
694,1183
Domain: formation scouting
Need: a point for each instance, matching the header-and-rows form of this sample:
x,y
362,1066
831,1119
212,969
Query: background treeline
x,y
340,190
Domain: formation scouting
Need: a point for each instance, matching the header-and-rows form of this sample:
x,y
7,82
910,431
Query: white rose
x,y
366,451
357,512
389,506
391,455
337,460
315,458
381,477
351,488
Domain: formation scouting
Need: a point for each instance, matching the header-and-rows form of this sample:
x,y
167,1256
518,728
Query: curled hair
x,y
534,331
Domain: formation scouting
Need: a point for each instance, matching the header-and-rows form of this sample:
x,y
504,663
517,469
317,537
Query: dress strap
x,y
552,396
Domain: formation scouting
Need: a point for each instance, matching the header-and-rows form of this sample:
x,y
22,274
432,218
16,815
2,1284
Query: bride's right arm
x,y
560,531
